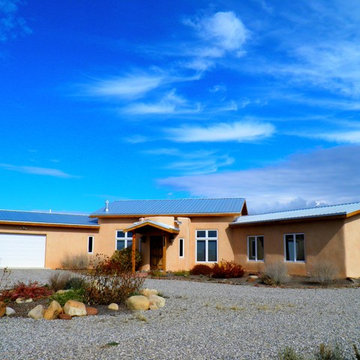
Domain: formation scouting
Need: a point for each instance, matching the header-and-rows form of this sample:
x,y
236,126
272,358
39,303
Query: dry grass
x,y
324,272
75,262
275,273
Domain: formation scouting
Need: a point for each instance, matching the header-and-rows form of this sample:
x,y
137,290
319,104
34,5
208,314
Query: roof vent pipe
x,y
107,206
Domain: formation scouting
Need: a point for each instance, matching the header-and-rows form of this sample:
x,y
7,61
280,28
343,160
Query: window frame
x,y
92,244
256,248
125,238
295,254
207,239
182,241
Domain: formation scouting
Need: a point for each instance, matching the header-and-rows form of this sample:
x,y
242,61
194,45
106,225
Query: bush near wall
x,y
75,262
201,269
222,270
123,258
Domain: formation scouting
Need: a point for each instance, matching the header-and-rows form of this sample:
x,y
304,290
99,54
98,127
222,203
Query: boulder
x,y
64,316
91,310
9,311
252,278
2,309
53,311
148,292
37,312
156,302
75,308
113,306
138,302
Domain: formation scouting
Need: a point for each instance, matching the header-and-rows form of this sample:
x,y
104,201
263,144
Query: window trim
x,y
207,239
181,240
125,238
92,245
295,254
248,248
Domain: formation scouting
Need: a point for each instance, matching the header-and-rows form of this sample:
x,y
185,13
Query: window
x,y
181,248
294,247
123,239
206,245
90,244
256,248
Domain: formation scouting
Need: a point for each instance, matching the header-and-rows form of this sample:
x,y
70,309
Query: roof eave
x,y
31,223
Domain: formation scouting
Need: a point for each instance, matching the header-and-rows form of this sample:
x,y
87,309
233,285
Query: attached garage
x,y
22,251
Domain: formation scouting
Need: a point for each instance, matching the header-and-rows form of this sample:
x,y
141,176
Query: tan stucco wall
x,y
352,243
60,242
324,239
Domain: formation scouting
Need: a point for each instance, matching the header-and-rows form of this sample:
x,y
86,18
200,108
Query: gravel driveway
x,y
199,321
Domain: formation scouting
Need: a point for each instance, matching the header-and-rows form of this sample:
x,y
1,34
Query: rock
x,y
53,311
62,291
148,292
2,309
29,300
65,317
156,302
20,300
91,310
37,312
138,302
75,308
9,311
113,306
252,278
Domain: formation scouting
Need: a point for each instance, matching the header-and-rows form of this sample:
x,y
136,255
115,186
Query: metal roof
x,y
319,211
157,224
37,217
173,207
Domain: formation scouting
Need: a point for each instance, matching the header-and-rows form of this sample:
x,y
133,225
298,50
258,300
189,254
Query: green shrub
x,y
289,354
227,269
75,262
58,280
123,258
158,273
275,273
77,295
75,283
201,269
329,353
183,273
324,272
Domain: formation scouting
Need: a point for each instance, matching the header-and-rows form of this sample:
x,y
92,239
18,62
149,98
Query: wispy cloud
x,y
37,171
237,131
11,23
323,176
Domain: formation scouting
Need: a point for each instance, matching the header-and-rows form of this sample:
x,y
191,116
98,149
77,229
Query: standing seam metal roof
x,y
173,207
319,211
46,218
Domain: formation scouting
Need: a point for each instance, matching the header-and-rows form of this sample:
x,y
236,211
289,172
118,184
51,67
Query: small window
x,y
90,244
123,239
206,245
256,248
294,247
181,248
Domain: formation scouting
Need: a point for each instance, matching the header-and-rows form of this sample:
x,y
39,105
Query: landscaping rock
x,y
37,312
75,308
252,278
113,306
28,300
148,292
20,300
65,317
156,302
138,302
53,311
91,310
9,311
2,309
62,291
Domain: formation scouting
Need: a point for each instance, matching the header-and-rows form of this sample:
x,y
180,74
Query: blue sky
x,y
169,99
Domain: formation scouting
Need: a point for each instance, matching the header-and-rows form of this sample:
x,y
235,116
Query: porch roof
x,y
155,224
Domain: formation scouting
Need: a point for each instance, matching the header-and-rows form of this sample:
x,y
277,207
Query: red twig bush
x,y
227,269
201,269
31,290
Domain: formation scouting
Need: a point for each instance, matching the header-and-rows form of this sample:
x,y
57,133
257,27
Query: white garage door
x,y
22,251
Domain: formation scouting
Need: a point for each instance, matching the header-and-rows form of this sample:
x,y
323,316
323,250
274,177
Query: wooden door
x,y
156,252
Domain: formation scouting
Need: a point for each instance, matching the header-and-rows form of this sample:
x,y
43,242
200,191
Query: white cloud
x,y
341,137
37,170
325,176
237,131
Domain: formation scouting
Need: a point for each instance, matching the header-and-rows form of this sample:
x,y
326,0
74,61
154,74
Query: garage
x,y
22,251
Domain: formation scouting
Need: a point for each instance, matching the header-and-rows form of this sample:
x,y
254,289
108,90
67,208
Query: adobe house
x,y
177,234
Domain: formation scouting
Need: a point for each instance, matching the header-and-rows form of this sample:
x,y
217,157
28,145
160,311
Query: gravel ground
x,y
199,321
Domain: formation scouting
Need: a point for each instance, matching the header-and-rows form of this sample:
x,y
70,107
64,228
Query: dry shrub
x,y
107,282
124,258
201,269
275,273
4,278
75,262
324,272
58,280
226,270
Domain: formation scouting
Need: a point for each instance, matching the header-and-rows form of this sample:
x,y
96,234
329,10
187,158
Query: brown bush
x,y
201,269
275,273
75,262
324,272
227,269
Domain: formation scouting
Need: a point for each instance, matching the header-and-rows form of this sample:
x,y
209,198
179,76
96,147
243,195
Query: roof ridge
x,y
221,198
45,212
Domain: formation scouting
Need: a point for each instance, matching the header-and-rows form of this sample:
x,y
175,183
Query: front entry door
x,y
156,252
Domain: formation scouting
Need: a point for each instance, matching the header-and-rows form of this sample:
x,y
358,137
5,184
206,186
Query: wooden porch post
x,y
133,249
165,237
